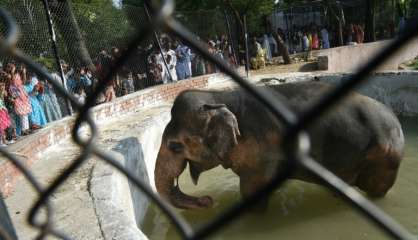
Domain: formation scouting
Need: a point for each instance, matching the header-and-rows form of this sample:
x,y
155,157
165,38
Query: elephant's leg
x,y
380,173
249,185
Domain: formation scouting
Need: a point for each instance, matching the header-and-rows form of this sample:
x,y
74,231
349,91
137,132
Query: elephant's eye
x,y
176,147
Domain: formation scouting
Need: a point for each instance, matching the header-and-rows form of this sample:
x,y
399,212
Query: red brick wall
x,y
31,148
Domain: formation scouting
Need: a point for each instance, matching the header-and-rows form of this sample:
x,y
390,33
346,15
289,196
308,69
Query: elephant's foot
x,y
181,200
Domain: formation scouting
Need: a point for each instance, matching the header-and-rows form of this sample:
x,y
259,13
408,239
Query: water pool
x,y
299,210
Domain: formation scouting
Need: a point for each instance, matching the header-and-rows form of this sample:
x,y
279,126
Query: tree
x,y
283,50
68,27
254,10
25,13
407,7
102,25
338,13
370,23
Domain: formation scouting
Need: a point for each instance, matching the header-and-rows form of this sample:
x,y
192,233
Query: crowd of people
x,y
150,66
315,37
28,103
264,48
305,39
182,63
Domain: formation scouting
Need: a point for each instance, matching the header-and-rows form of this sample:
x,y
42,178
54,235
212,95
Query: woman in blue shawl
x,y
49,103
37,116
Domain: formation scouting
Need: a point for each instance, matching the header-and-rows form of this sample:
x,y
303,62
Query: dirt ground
x,y
278,66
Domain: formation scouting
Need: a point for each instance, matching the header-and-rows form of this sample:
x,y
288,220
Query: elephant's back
x,y
342,138
356,109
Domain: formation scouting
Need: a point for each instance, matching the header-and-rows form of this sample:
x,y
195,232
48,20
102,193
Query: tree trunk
x,y
393,11
340,33
370,30
68,27
283,51
339,18
239,19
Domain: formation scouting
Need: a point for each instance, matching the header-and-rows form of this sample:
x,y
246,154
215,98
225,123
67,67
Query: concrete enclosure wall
x,y
350,58
397,90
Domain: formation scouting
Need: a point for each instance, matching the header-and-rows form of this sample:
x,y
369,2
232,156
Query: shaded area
x,y
131,150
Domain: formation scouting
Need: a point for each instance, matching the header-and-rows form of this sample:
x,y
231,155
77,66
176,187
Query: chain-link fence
x,y
295,145
89,39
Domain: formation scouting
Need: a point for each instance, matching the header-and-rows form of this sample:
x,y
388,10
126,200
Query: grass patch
x,y
414,64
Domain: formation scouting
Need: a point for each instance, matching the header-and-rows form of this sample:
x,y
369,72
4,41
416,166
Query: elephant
x,y
361,140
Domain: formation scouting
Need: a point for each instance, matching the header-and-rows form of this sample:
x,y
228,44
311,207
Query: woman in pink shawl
x,y
21,103
4,114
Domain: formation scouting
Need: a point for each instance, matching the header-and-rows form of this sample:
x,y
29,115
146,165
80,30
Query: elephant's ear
x,y
222,130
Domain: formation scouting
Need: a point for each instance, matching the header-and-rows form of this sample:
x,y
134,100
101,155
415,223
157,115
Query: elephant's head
x,y
200,135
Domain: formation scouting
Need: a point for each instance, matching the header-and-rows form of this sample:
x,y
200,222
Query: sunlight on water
x,y
299,210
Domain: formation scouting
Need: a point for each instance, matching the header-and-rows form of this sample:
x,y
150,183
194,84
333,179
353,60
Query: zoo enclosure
x,y
296,145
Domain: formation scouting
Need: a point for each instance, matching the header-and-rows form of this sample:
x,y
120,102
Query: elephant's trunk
x,y
167,170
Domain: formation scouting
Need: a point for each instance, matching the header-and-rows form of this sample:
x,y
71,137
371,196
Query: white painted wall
x,y
351,58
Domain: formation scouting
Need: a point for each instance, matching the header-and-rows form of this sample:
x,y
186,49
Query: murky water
x,y
299,210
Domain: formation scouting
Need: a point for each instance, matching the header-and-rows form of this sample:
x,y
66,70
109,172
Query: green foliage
x,y
261,7
414,64
205,24
181,5
255,11
48,62
101,23
93,2
410,7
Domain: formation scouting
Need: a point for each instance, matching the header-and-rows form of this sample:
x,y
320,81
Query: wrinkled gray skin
x,y
361,141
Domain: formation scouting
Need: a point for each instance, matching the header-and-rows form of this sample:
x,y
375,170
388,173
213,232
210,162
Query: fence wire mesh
x,y
296,143
89,38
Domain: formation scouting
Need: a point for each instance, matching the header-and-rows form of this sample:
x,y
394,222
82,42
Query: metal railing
x,y
296,143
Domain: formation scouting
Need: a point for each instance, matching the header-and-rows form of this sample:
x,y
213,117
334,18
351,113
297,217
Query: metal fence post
x,y
55,49
157,40
247,54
